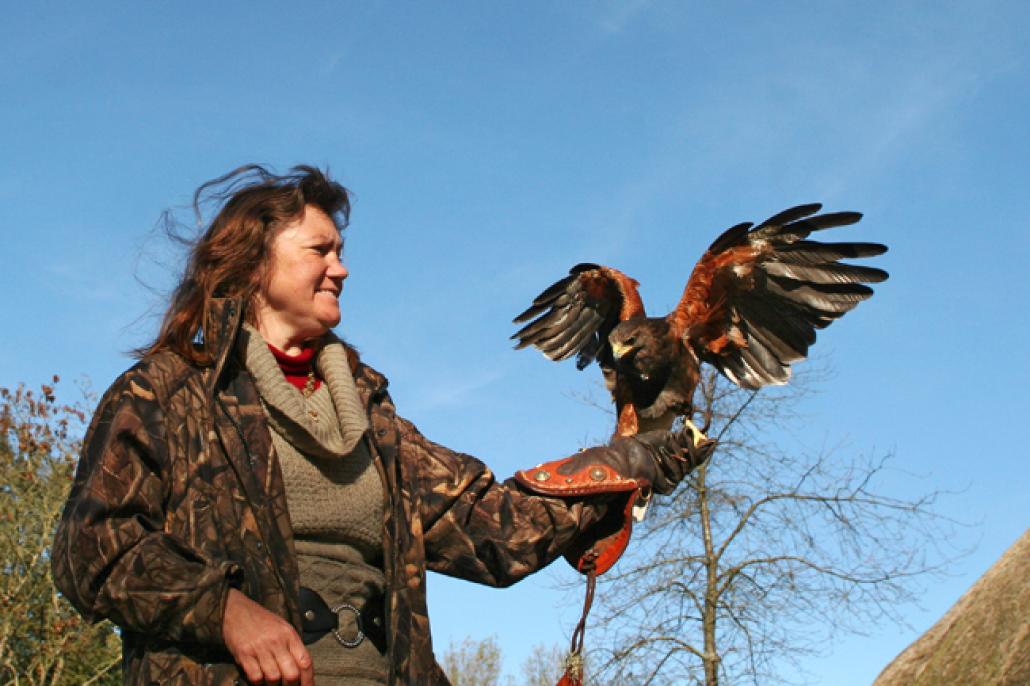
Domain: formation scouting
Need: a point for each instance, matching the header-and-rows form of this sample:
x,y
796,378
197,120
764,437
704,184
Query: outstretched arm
x,y
495,532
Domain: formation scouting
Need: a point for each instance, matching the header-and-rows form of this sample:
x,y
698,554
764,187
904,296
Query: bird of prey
x,y
750,308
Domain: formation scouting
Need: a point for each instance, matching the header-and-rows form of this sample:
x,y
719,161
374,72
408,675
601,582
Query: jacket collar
x,y
371,384
221,329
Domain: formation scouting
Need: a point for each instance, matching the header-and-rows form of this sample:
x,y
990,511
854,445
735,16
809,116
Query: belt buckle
x,y
353,642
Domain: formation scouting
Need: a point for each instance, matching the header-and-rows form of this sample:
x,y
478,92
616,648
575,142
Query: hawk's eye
x,y
632,340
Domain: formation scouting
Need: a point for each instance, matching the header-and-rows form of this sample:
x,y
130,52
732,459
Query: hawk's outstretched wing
x,y
755,299
576,314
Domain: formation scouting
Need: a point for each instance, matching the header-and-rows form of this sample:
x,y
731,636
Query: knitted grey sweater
x,y
334,495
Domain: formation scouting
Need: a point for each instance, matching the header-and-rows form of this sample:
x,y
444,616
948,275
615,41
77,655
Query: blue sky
x,y
493,145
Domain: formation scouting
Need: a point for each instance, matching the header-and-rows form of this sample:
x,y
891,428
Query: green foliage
x,y
43,640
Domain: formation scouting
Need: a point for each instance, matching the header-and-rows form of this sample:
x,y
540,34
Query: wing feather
x,y
813,252
826,273
782,319
830,299
756,298
574,315
781,350
575,344
791,214
765,368
574,322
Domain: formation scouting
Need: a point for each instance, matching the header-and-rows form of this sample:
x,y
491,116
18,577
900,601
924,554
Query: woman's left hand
x,y
264,644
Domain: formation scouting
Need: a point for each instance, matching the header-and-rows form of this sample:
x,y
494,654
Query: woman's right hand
x,y
264,644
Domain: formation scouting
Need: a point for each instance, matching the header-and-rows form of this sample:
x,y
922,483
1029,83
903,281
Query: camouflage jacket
x,y
179,496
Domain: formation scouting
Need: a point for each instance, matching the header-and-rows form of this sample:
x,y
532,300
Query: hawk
x,y
751,309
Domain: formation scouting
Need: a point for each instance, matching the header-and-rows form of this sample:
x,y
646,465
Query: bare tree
x,y
473,663
761,557
543,666
479,663
43,640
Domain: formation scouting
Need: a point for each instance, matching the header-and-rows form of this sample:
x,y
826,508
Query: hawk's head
x,y
641,347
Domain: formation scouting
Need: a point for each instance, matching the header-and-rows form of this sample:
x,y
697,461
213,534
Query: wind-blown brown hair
x,y
230,258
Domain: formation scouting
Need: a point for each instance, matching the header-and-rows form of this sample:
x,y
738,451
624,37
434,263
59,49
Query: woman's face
x,y
301,299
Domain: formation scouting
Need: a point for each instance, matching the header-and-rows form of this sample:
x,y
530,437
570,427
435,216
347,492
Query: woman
x,y
250,453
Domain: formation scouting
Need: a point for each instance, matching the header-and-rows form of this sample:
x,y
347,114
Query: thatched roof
x,y
984,639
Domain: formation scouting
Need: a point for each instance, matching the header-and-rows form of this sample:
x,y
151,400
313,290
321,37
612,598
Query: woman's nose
x,y
336,269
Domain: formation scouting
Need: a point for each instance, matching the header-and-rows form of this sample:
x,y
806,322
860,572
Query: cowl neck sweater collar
x,y
286,406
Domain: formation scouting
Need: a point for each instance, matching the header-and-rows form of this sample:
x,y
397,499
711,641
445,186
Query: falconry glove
x,y
630,466
662,458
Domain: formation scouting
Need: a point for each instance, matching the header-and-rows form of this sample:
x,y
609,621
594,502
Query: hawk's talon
x,y
695,433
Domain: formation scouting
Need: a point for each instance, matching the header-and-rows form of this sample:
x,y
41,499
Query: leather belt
x,y
318,618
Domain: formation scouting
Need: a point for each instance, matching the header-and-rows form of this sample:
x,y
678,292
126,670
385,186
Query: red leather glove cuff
x,y
602,544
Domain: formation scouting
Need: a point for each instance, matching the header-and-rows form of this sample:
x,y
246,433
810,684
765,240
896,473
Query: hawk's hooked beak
x,y
620,349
